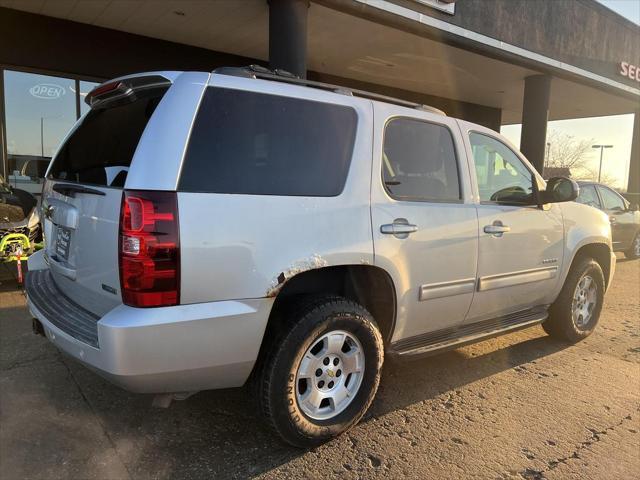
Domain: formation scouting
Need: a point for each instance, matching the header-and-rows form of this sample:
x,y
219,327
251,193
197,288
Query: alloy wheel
x,y
329,375
585,299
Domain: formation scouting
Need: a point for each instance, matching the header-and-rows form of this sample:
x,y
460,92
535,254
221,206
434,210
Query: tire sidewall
x,y
288,415
631,254
591,268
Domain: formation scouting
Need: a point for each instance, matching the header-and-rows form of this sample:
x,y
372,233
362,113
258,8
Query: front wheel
x,y
575,313
634,249
323,372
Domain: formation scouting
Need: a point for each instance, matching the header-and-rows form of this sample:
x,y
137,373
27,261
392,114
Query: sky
x,y
629,9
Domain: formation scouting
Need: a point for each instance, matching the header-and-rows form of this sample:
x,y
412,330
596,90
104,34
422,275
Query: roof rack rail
x,y
257,71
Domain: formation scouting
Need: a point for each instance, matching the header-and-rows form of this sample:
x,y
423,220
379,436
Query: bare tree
x,y
591,173
566,151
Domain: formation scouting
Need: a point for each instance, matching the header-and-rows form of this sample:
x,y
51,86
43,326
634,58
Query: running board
x,y
456,337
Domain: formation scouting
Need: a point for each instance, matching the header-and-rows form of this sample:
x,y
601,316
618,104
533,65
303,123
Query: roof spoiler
x,y
125,90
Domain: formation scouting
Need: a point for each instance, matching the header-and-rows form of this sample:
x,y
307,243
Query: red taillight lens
x,y
149,249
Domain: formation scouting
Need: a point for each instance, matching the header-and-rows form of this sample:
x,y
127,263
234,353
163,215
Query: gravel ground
x,y
519,406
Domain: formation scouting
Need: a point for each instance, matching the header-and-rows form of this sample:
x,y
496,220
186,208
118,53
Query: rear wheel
x,y
576,311
322,374
634,249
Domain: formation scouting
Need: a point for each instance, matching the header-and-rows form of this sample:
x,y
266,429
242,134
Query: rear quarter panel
x,y
243,246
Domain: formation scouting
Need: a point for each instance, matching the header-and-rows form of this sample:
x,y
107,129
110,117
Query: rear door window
x,y
252,143
419,161
100,150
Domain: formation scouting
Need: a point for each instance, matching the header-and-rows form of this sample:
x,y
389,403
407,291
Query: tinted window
x,y
100,150
252,143
611,200
419,161
502,177
588,196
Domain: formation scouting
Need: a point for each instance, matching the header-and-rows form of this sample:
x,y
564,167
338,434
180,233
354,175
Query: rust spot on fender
x,y
313,262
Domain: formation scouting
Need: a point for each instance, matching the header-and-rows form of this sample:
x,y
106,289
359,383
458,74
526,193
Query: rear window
x,y
100,150
252,143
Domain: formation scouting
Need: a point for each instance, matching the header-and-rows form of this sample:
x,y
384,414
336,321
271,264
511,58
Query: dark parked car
x,y
624,216
19,221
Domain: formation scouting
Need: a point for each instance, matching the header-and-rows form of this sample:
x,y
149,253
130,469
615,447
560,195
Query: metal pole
x,y
600,169
42,137
548,152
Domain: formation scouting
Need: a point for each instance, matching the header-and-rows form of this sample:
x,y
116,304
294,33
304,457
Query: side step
x,y
451,338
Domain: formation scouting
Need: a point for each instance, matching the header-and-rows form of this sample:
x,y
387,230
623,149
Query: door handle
x,y
400,227
496,228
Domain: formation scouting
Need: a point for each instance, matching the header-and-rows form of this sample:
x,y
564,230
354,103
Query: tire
x,y
310,329
634,249
562,323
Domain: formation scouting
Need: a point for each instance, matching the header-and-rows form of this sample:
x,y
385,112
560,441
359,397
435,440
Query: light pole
x,y
601,147
42,119
548,151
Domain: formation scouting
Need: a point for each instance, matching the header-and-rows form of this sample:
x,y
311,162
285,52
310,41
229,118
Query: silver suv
x,y
204,230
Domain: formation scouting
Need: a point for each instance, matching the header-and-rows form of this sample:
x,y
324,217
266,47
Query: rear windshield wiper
x,y
70,189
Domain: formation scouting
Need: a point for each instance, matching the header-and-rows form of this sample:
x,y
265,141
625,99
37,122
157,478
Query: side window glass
x,y
588,196
611,200
502,177
419,161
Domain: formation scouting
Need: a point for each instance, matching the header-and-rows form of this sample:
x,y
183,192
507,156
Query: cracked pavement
x,y
519,406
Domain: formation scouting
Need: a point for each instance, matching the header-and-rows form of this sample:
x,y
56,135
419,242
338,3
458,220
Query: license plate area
x,y
63,241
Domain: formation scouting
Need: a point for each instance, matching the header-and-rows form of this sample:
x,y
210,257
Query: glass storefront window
x,y
39,111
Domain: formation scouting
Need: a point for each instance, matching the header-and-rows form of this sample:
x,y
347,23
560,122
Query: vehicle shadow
x,y
221,433
408,382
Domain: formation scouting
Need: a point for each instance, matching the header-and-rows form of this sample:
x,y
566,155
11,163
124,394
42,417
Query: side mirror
x,y
559,189
633,207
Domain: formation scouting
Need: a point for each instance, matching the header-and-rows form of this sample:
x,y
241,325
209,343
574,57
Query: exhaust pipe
x,y
37,327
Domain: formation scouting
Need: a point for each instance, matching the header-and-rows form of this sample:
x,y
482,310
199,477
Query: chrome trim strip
x,y
418,17
516,278
447,289
59,268
471,338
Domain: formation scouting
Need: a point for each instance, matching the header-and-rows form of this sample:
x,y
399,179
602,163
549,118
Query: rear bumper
x,y
169,349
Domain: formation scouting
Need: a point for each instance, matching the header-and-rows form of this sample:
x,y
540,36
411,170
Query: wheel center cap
x,y
330,372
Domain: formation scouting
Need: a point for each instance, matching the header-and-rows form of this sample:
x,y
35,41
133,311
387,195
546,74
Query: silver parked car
x,y
623,216
204,230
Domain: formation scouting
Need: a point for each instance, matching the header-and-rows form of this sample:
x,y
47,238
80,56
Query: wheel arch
x,y
370,286
600,252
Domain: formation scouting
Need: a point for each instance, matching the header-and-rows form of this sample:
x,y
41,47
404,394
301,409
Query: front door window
x,y
501,175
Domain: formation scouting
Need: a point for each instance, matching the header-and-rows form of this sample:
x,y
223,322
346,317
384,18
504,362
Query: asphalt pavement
x,y
518,406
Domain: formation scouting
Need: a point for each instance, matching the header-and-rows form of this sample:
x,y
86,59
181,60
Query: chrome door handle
x,y
400,227
497,228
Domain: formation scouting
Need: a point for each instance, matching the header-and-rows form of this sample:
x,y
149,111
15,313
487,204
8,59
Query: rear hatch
x,y
84,188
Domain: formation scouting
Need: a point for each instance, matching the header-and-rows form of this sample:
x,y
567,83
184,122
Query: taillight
x,y
149,249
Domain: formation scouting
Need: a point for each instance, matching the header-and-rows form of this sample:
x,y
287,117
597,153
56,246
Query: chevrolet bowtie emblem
x,y
330,373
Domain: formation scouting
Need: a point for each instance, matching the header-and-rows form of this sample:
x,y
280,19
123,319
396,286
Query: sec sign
x,y
630,71
49,91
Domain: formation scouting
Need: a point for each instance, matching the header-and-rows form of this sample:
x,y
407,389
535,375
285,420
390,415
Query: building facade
x,y
492,62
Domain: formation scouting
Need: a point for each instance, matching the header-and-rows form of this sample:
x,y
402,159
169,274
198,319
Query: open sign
x,y
47,91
